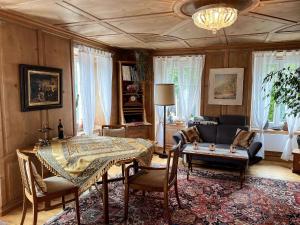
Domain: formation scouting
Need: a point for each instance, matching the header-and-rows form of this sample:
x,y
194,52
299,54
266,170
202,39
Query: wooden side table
x,y
296,161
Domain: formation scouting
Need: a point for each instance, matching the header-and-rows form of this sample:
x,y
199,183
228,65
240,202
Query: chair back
x,y
172,165
25,165
114,130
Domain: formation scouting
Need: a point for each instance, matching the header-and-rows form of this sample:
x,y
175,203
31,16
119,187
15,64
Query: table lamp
x,y
164,96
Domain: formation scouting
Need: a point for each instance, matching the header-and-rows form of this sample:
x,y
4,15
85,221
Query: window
x,y
93,88
264,63
185,73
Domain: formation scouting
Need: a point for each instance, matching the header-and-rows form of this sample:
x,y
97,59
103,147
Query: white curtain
x,y
260,104
189,85
104,80
163,69
263,63
189,72
87,88
293,125
94,86
290,58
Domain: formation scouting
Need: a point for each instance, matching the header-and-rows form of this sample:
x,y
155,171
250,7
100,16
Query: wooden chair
x,y
113,130
154,180
57,187
116,131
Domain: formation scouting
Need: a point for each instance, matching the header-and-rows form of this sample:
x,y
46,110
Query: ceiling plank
x,y
176,27
101,22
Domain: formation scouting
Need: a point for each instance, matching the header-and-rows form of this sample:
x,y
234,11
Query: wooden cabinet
x,y
171,129
296,161
138,131
132,101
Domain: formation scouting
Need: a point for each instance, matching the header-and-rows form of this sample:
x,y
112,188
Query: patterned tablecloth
x,y
83,160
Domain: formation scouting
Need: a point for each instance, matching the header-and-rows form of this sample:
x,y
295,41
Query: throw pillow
x,y
184,140
38,180
192,134
243,138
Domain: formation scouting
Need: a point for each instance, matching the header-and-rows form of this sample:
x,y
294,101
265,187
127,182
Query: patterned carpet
x,y
207,198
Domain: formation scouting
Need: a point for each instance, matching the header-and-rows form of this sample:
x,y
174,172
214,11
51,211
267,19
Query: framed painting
x,y
41,87
226,86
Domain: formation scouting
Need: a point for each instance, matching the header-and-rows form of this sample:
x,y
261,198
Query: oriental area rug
x,y
207,198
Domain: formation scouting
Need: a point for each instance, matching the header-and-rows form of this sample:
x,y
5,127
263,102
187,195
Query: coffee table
x,y
240,158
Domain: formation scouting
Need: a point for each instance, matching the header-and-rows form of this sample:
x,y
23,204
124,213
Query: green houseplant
x,y
285,90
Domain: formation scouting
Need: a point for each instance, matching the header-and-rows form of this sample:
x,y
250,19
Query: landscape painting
x,y
226,86
40,87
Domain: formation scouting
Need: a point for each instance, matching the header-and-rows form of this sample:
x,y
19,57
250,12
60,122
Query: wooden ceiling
x,y
155,24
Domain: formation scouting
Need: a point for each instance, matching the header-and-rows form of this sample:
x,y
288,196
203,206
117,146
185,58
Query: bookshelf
x,y
132,101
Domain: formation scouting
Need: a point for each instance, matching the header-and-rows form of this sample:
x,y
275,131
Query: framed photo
x,y
226,86
41,87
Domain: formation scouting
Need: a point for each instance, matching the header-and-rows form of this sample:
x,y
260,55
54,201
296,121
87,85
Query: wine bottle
x,y
60,130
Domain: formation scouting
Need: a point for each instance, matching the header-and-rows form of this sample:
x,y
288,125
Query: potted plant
x,y
286,90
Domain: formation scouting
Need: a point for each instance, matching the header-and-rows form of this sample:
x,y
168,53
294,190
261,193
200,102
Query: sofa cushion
x,y
208,133
243,138
232,120
192,134
226,133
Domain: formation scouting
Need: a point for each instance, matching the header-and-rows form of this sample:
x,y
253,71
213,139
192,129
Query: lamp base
x,y
163,155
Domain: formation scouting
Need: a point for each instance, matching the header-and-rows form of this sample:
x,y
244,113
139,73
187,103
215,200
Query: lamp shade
x,y
164,94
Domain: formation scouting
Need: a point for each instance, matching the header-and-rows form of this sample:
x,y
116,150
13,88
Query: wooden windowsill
x,y
270,131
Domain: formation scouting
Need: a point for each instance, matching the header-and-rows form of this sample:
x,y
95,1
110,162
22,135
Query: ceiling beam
x,y
28,3
270,18
276,1
271,34
103,23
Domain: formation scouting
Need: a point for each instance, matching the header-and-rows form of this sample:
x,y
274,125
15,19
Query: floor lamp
x,y
164,96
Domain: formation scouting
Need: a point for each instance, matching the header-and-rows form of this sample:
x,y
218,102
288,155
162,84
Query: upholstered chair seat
x,y
149,179
58,184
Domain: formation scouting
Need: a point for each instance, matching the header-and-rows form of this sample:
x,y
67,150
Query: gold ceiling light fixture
x,y
215,17
213,14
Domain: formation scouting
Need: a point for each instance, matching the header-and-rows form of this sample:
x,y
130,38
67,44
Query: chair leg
x,y
144,193
35,212
63,202
24,209
177,195
77,208
123,172
166,206
126,200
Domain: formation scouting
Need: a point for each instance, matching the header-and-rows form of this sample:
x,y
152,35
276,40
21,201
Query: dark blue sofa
x,y
222,135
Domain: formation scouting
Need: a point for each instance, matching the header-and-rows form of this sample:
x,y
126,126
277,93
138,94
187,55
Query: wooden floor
x,y
267,169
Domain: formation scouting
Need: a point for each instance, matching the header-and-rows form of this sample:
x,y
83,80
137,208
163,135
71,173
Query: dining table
x,y
85,160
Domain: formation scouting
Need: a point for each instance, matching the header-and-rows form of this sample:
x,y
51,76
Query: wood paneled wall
x,y
234,56
224,59
20,44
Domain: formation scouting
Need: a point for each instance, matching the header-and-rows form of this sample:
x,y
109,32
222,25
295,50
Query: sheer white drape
x,y
104,80
87,88
263,63
260,103
293,125
189,85
94,73
189,70
163,69
290,58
